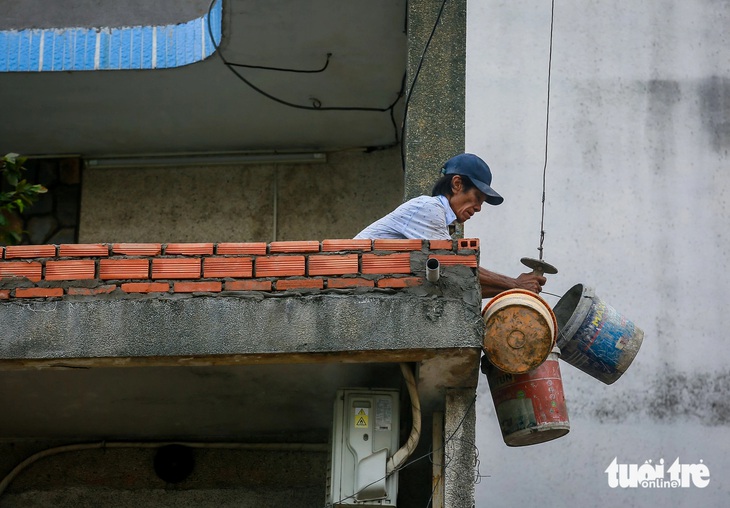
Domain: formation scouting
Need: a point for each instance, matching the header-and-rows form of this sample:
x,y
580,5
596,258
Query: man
x,y
456,197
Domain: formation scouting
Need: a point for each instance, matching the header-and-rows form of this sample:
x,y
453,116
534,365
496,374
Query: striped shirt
x,y
424,217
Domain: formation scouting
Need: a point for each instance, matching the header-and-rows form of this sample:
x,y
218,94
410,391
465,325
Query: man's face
x,y
466,203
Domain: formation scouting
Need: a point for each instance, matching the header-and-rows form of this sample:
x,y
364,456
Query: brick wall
x,y
56,271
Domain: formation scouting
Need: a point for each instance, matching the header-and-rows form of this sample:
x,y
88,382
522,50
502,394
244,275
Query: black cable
x,y
547,129
316,106
415,80
283,69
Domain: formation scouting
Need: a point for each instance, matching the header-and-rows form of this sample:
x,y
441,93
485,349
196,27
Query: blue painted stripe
x,y
86,49
47,51
3,51
34,55
69,48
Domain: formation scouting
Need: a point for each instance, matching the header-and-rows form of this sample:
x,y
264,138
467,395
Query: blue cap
x,y
467,164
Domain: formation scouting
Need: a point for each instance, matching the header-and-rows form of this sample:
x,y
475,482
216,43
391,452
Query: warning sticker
x,y
361,417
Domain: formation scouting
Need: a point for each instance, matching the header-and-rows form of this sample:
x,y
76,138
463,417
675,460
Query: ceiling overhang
x,y
245,96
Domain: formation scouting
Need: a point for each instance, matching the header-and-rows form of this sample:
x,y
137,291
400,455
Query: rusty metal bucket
x,y
530,407
520,331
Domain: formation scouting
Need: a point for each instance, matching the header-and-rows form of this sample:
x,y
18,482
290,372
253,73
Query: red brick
x,y
388,263
92,291
455,259
401,282
283,285
279,266
189,249
248,285
2,251
228,267
29,270
385,244
257,248
341,283
38,292
146,287
192,287
30,251
137,249
73,269
441,244
333,264
176,268
4,294
469,244
295,246
340,245
136,268
83,250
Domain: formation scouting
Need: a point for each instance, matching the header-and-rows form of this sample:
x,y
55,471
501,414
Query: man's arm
x,y
493,283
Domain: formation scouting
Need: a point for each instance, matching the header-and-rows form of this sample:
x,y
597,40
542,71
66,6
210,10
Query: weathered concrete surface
x,y
436,111
126,478
459,448
251,203
638,207
234,325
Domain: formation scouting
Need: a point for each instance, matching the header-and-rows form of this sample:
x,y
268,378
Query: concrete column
x,y
436,109
459,435
437,498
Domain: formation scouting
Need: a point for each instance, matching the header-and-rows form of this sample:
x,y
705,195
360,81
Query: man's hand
x,y
531,282
493,283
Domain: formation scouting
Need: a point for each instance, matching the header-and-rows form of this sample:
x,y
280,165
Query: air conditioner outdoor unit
x,y
365,434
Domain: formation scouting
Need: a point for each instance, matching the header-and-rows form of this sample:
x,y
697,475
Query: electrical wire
x,y
415,80
284,69
316,104
547,130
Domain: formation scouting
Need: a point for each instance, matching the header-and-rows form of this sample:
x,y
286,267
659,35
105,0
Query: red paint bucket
x,y
530,407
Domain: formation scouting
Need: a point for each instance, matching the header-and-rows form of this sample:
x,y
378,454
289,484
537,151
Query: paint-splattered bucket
x,y
530,407
593,336
520,330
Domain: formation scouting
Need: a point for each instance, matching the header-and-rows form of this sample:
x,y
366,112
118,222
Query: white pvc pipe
x,y
399,457
433,270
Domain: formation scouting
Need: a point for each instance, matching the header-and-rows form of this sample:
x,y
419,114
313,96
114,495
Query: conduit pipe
x,y
399,457
433,270
302,447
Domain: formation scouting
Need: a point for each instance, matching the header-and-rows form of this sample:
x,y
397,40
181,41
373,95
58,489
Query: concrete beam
x,y
235,325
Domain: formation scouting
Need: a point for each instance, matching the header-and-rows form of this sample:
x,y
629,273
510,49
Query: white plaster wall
x,y
638,207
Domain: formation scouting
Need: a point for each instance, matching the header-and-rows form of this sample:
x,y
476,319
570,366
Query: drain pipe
x,y
433,270
399,457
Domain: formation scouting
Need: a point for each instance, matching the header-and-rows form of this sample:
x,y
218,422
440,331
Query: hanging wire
x,y
409,94
316,104
547,130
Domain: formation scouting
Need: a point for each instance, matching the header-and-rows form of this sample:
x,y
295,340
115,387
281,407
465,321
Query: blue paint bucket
x,y
593,336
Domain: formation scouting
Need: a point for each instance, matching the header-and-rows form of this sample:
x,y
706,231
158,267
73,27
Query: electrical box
x,y
365,434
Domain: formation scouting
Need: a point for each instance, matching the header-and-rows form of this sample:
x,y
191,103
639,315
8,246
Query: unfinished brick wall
x,y
55,271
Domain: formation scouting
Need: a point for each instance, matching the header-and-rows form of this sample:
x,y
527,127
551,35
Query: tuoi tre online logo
x,y
654,476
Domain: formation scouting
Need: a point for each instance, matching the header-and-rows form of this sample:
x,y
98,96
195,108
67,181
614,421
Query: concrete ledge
x,y
236,325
